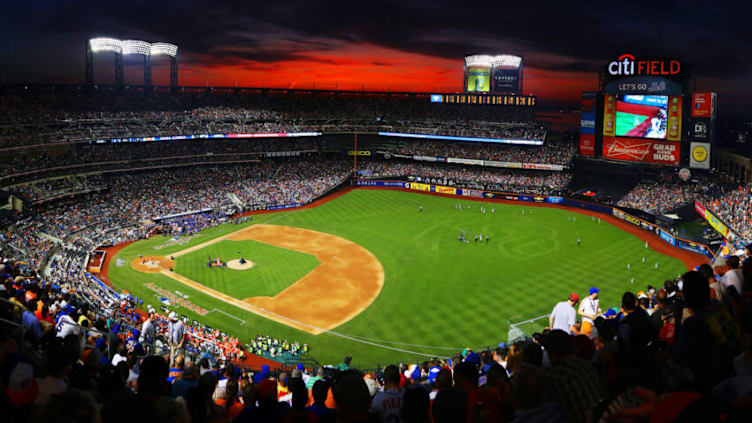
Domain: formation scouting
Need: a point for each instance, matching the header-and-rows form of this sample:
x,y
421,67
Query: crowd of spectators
x,y
735,208
119,211
554,151
474,176
680,352
40,119
667,192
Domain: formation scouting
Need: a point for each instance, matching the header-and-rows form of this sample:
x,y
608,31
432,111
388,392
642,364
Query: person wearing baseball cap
x,y
564,316
589,309
176,336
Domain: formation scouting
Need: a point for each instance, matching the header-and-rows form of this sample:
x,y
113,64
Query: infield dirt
x,y
346,282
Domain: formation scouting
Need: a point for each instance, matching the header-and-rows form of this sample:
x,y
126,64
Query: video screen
x,y
478,80
641,116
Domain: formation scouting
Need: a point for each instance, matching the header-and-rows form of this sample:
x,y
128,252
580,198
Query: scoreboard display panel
x,y
492,99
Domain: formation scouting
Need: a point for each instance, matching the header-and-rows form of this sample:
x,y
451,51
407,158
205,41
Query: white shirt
x,y
589,306
66,326
175,332
387,405
732,278
147,331
564,316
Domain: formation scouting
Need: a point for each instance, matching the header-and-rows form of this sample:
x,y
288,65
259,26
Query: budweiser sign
x,y
641,150
635,151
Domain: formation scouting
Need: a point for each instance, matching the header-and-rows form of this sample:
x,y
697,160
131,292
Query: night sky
x,y
379,45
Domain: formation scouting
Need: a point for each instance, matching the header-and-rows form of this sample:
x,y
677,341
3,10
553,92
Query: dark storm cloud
x,y
555,36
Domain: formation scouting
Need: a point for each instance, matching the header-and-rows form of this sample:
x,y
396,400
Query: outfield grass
x,y
439,294
274,268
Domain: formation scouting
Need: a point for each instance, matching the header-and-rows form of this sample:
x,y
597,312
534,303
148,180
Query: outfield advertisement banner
x,y
541,166
285,206
426,158
667,237
446,190
509,165
465,161
420,187
393,184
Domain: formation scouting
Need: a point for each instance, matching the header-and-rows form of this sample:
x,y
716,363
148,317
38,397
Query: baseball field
x,y
370,275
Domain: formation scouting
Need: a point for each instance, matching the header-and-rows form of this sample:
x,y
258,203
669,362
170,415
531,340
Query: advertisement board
x,y
667,237
587,113
420,187
699,155
587,145
478,79
491,99
674,118
641,150
702,104
506,81
445,190
394,184
701,129
609,114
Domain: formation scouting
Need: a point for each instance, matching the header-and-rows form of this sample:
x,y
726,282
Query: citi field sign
x,y
627,65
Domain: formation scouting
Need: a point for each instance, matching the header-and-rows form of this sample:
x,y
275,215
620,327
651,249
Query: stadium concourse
x,y
74,350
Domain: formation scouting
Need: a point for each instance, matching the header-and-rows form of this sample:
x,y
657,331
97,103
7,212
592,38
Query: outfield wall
x,y
546,199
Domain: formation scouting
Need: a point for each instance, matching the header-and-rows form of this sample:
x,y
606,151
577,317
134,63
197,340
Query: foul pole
x,y
355,156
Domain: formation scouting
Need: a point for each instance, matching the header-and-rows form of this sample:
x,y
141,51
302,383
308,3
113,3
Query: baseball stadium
x,y
281,236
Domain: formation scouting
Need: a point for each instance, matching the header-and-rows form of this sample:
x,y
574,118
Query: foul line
x,y
242,322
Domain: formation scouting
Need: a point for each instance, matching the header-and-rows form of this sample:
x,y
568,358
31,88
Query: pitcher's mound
x,y
236,265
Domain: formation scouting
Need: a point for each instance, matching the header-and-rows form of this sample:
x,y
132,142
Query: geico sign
x,y
627,65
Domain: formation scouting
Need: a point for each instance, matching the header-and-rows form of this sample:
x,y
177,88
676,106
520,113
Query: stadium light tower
x,y
125,47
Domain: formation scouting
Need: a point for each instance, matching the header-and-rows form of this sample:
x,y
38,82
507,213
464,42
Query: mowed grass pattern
x,y
439,294
274,268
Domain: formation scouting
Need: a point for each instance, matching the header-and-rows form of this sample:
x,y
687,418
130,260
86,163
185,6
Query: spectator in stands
x,y
386,405
298,411
175,335
352,399
319,391
147,333
30,321
634,331
58,364
709,339
188,379
733,277
529,393
573,382
661,313
589,309
229,401
480,401
176,369
564,316
268,410
416,405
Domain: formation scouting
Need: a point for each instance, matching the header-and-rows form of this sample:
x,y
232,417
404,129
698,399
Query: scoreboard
x,y
493,99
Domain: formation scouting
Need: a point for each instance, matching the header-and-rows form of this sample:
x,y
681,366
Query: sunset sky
x,y
381,45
